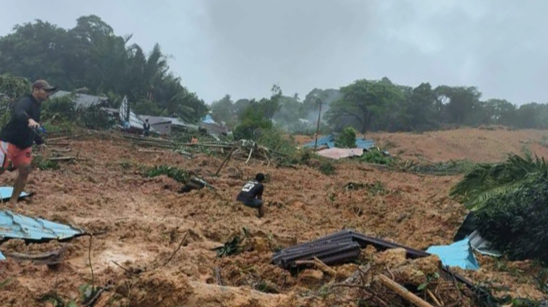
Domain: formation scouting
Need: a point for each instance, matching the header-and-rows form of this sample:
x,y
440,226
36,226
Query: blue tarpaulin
x,y
457,254
6,192
16,226
329,140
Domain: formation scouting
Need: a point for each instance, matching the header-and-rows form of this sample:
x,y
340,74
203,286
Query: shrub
x,y
346,139
509,203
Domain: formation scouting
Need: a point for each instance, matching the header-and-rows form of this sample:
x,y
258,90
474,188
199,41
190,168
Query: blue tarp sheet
x,y
16,226
2,257
457,254
5,193
329,140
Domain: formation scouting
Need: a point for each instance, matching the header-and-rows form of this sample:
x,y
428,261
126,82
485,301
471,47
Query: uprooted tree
x,y
509,203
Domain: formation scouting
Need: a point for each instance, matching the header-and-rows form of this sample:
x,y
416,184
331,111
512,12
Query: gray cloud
x,y
242,47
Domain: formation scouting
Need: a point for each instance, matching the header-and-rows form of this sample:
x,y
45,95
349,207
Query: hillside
x,y
144,219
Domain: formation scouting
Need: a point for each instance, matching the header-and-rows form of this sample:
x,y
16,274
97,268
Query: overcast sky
x,y
243,47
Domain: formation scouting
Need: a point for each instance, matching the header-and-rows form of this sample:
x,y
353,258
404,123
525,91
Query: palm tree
x,y
488,181
509,201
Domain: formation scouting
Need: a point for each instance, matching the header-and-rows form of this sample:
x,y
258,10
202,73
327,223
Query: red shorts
x,y
10,152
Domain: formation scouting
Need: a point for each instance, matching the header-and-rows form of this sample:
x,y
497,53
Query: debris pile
x,y
388,276
336,248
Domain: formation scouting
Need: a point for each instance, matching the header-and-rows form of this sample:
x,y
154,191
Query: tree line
x,y
91,57
381,105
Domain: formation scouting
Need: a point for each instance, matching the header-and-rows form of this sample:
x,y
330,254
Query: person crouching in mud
x,y
252,193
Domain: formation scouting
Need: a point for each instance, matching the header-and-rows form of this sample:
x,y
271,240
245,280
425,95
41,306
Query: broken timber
x,y
49,258
344,246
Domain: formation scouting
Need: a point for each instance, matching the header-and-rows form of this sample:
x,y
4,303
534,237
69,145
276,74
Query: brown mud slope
x,y
144,220
477,145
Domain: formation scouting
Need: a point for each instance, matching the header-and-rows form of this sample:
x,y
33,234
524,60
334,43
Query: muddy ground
x,y
143,220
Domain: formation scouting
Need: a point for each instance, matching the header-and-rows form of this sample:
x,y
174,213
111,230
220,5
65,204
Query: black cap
x,y
259,177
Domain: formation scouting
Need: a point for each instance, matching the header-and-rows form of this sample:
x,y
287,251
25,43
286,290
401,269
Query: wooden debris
x,y
60,149
152,151
403,292
57,144
361,270
49,258
319,264
225,161
218,275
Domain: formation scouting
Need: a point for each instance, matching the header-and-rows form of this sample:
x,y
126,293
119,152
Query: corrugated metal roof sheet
x,y
134,120
6,192
15,226
340,153
81,100
481,245
325,140
329,140
215,128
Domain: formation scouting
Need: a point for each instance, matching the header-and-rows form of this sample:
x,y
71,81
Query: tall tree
x,y
91,55
364,100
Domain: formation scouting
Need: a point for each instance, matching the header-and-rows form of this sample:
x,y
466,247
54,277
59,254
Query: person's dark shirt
x,y
251,190
17,131
146,126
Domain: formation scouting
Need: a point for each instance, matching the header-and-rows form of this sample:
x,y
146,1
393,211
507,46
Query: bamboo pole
x,y
401,291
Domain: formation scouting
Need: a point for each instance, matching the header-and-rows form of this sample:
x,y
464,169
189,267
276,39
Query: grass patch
x,y
377,157
327,168
177,174
43,164
442,168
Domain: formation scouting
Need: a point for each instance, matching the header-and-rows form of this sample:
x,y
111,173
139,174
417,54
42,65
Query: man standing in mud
x,y
252,193
146,128
18,135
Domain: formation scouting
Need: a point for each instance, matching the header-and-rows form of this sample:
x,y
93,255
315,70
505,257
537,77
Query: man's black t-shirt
x,y
17,131
251,190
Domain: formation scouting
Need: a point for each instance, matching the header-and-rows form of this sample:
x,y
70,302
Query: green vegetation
x,y
509,202
377,157
347,138
92,56
178,175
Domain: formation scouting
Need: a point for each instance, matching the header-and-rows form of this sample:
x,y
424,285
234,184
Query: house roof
x,y
81,100
341,153
160,119
215,128
329,140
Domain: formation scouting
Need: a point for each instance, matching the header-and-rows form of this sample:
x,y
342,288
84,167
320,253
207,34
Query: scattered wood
x,y
403,292
48,258
218,275
57,144
58,138
319,264
361,270
152,151
225,161
60,149
62,158
434,298
96,296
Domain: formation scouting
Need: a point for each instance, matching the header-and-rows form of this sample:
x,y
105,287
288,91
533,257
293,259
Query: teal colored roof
x,y
329,140
5,193
17,226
